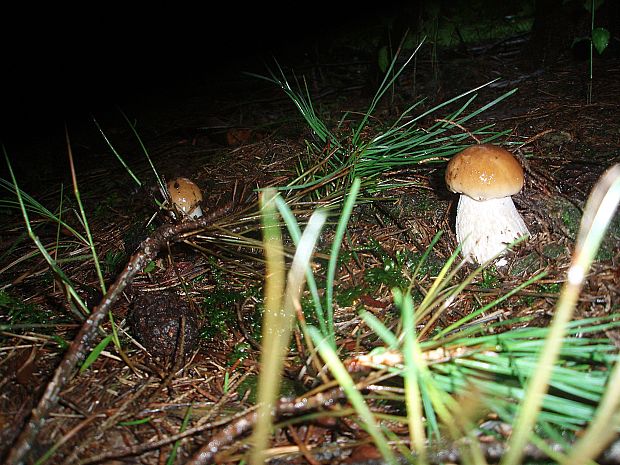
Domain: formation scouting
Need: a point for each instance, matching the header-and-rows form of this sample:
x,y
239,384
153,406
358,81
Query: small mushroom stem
x,y
486,227
195,213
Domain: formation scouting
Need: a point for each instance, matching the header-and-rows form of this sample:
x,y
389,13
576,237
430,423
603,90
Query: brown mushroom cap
x,y
484,172
185,194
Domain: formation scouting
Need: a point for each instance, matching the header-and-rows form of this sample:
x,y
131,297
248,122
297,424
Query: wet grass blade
x,y
116,154
412,356
162,188
599,212
95,353
295,232
31,205
272,347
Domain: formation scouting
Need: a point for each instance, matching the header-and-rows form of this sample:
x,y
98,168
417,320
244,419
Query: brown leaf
x,y
238,136
24,374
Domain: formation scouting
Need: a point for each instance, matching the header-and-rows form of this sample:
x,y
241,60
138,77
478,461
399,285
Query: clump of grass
x,y
547,382
341,155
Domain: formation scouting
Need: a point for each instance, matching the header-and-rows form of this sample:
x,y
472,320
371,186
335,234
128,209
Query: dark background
x,y
57,64
62,62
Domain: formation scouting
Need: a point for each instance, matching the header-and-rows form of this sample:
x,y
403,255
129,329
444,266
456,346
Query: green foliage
x,y
571,216
96,352
347,296
113,261
550,288
600,39
490,278
356,150
383,60
218,311
14,312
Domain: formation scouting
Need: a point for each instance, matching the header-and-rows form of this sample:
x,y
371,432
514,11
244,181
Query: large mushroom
x,y
486,219
186,197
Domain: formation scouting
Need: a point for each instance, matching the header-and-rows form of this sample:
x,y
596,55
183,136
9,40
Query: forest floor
x,y
238,133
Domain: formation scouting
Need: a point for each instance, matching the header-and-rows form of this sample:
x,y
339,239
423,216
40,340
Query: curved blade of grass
x,y
173,453
76,192
48,258
305,245
116,154
347,209
380,329
272,349
602,204
94,354
599,210
33,206
295,232
339,371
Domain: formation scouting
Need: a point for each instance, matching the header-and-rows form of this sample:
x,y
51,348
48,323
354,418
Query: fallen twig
x,y
206,454
149,249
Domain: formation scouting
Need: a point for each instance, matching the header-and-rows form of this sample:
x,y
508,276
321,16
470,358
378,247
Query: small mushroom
x,y
186,197
486,219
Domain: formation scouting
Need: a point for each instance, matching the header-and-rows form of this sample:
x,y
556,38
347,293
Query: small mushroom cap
x,y
185,194
484,172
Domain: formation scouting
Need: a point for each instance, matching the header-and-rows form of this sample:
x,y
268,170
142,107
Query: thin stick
x,y
81,343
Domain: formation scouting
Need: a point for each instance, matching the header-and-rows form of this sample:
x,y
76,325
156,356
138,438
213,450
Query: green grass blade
x,y
116,154
412,356
173,454
48,258
279,316
488,306
89,237
339,371
162,188
383,88
605,199
33,206
380,329
274,325
94,354
333,260
295,232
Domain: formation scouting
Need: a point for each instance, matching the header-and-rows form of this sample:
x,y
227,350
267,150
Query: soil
x,y
232,134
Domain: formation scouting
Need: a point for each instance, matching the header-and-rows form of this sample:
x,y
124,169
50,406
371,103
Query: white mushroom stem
x,y
486,227
195,213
